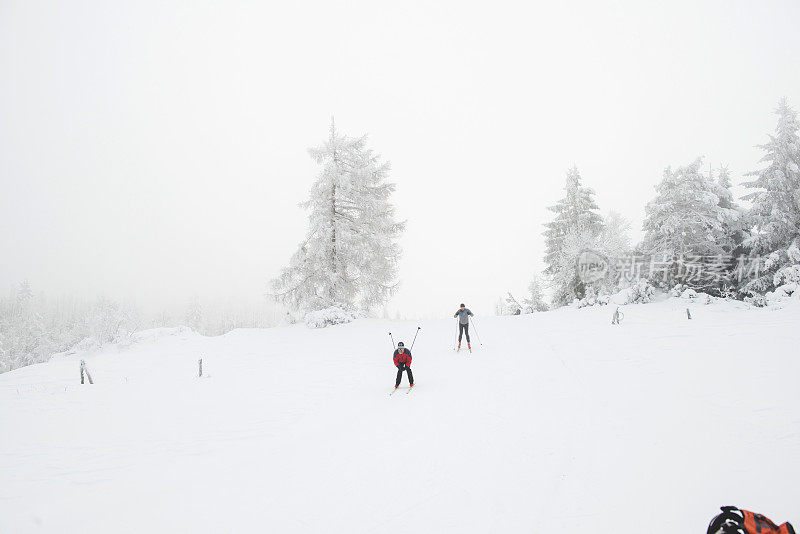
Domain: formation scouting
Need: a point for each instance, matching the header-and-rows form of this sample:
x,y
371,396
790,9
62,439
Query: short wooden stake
x,y
84,369
200,364
688,315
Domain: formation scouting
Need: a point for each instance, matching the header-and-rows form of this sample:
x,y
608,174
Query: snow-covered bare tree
x,y
614,240
511,306
576,227
685,222
194,314
535,301
110,321
350,254
614,244
24,293
22,330
775,211
162,320
500,306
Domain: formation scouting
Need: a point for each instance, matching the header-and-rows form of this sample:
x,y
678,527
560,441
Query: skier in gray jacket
x,y
463,314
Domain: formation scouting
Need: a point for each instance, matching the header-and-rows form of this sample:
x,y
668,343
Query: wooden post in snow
x,y
200,365
85,370
688,315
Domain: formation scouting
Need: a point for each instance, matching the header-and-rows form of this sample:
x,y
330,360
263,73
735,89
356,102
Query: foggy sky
x,y
155,150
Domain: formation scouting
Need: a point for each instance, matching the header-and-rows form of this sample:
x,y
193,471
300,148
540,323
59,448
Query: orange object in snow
x,y
735,521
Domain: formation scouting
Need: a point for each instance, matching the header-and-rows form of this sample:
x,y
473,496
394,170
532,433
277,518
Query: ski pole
x,y
455,340
394,346
415,336
476,331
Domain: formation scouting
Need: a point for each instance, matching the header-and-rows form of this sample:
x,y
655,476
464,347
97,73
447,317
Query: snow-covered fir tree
x,y
350,254
734,216
686,223
775,209
734,229
576,227
724,183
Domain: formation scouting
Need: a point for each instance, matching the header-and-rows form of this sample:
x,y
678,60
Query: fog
x,y
157,150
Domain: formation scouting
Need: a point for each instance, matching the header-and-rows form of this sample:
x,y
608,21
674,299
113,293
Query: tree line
x,y
696,234
34,326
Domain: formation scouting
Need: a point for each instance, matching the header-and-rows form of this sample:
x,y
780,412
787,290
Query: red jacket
x,y
403,357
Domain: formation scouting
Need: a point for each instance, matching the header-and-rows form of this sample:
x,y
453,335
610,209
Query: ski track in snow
x,y
560,422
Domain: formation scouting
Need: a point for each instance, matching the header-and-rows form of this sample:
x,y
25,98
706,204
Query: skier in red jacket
x,y
402,360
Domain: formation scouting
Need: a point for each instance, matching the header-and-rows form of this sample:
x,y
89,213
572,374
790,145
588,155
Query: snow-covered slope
x,y
559,423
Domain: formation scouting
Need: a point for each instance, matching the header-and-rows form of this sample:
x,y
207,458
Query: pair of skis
x,y
396,388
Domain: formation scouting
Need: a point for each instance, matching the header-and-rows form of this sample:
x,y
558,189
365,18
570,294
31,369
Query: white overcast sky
x,y
155,150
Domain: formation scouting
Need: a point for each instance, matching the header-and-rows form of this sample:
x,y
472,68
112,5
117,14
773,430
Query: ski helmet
x,y
462,305
400,344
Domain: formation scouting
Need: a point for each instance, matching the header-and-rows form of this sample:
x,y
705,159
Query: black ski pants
x,y
463,329
403,367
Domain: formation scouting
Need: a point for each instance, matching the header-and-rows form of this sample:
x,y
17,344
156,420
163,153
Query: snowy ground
x,y
559,423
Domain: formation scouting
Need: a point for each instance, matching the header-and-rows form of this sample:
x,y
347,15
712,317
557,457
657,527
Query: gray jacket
x,y
463,317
